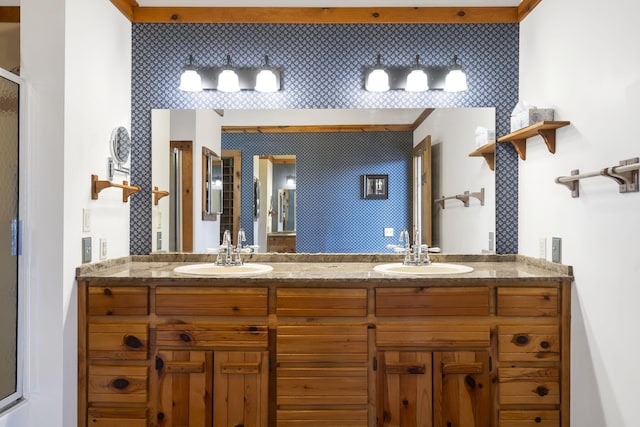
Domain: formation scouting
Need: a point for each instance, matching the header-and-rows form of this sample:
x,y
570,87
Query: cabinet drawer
x,y
323,418
469,301
118,301
529,419
538,302
321,302
117,384
211,335
322,343
522,386
190,301
435,335
529,343
117,417
118,341
322,386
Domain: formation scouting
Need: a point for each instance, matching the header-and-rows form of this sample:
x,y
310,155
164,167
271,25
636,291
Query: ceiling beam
x,y
526,7
318,128
9,13
316,15
126,7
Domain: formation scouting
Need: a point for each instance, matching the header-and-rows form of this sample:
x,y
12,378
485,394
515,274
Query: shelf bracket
x,y
627,181
521,147
157,195
549,136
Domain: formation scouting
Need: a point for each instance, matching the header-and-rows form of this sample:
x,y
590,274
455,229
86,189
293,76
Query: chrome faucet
x,y
227,255
416,254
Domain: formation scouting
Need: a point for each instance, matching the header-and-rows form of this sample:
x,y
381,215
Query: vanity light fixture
x,y
190,80
377,79
291,181
456,80
417,80
228,80
266,80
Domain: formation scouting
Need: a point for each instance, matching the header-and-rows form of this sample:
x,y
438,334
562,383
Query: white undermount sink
x,y
244,270
436,268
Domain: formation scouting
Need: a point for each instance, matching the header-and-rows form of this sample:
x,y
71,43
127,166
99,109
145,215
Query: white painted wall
x,y
462,229
160,136
76,60
582,59
208,134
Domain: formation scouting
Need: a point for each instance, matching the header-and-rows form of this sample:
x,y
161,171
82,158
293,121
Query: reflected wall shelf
x,y
546,129
488,151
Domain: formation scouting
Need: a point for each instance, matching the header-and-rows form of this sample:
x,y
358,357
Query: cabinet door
x,y
241,388
185,388
405,389
461,389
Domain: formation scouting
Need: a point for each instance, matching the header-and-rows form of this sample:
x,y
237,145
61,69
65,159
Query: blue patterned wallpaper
x,y
322,68
331,215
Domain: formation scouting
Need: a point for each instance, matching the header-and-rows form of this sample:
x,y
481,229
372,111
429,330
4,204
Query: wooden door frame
x,y
186,147
423,149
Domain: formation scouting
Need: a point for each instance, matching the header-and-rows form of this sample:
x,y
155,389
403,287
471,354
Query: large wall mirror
x,y
330,149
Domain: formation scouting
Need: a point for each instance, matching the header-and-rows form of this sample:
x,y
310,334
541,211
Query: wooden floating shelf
x,y
98,185
488,151
546,129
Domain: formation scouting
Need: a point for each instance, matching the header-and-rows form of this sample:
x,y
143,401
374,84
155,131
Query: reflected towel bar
x,y
464,198
158,194
98,185
625,175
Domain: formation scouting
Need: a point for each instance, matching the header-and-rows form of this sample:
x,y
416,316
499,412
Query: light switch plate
x,y
103,248
542,248
86,220
86,249
388,232
556,249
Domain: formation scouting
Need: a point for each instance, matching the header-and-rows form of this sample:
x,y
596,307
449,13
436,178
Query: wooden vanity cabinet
x,y
320,353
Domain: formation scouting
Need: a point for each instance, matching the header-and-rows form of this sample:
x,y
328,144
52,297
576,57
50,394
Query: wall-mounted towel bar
x,y
158,194
98,185
464,198
625,175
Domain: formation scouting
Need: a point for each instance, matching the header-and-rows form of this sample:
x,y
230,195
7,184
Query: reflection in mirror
x,y
334,148
211,185
278,173
179,221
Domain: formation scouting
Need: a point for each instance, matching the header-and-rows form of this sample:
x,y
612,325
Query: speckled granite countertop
x,y
317,267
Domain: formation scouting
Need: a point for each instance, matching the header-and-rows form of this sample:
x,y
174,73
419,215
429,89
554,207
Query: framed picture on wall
x,y
375,186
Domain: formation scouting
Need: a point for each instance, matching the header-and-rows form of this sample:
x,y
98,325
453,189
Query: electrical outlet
x,y
103,249
542,248
556,249
159,240
388,232
86,249
86,220
492,241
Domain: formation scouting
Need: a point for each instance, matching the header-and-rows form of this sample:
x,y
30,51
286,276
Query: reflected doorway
x,y
275,222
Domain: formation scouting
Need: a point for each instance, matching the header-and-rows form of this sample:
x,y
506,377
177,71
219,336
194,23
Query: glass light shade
x,y
377,81
190,81
266,81
417,81
456,81
228,81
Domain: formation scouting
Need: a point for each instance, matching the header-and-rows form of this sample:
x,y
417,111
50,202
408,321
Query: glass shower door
x,y
9,234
